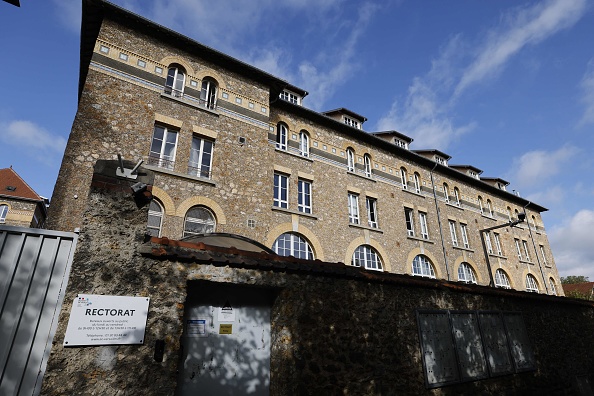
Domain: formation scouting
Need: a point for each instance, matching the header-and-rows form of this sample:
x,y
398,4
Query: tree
x,y
573,279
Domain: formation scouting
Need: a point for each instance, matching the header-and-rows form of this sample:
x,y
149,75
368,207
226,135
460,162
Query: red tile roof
x,y
582,288
9,179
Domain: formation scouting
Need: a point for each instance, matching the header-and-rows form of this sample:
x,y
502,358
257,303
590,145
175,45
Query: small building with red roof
x,y
580,290
20,205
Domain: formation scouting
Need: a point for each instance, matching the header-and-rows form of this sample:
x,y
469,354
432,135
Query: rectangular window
x,y
304,199
542,253
410,223
423,223
518,248
351,122
525,244
453,233
488,243
353,208
162,152
497,244
464,233
200,157
372,212
281,190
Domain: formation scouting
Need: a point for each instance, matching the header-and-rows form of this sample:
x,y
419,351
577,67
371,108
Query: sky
x,y
504,85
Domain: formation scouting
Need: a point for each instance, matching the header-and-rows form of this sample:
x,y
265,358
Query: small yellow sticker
x,y
225,329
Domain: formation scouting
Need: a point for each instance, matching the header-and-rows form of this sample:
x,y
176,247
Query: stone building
x,y
20,205
235,150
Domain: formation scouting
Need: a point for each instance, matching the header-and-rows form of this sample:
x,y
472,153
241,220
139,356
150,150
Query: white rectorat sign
x,y
106,320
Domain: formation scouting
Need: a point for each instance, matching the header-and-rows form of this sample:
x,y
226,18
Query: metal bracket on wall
x,y
126,173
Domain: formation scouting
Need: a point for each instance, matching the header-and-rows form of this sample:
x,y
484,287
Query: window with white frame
x,y
533,222
404,178
501,279
353,208
481,207
423,224
417,180
509,213
453,232
350,159
464,233
162,152
200,157
281,136
292,244
401,143
446,192
531,284
440,160
174,85
3,213
367,164
457,196
517,242
351,122
466,273
410,222
208,93
155,219
421,266
490,207
552,286
544,256
371,204
304,144
525,245
304,196
199,220
289,97
367,257
488,242
281,190
497,240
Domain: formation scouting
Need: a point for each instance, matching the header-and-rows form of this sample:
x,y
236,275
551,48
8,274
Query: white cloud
x,y
33,140
528,26
69,14
551,196
573,245
537,167
587,87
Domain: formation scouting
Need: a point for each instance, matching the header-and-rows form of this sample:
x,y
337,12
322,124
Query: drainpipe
x,y
535,251
445,257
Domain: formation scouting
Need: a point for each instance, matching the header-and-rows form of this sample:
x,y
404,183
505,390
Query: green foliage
x,y
577,294
573,279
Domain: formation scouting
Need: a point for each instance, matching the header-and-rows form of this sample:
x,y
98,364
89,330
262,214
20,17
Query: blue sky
x,y
506,86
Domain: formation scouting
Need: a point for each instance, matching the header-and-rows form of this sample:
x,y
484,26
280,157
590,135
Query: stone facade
x,y
20,205
122,98
335,329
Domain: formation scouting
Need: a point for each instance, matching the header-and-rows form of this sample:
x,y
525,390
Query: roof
x,y
342,110
94,11
203,254
397,134
433,151
582,288
12,185
466,167
495,179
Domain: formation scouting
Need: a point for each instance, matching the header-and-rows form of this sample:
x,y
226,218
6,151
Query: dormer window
x,y
501,186
352,122
441,160
473,174
401,143
290,97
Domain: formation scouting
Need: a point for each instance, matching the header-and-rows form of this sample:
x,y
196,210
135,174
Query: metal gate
x,y
34,269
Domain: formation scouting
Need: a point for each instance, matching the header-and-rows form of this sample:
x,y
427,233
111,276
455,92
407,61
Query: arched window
x,y
3,213
291,244
552,285
208,93
176,78
531,284
367,257
421,266
446,192
417,179
350,159
457,196
281,136
509,215
304,144
490,207
155,219
199,220
481,207
501,279
466,273
533,222
367,163
404,178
